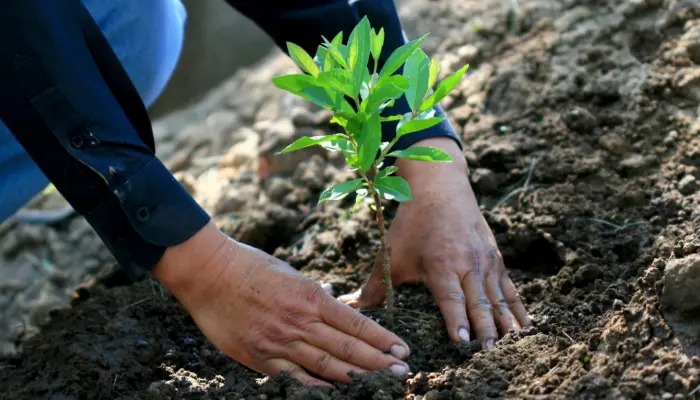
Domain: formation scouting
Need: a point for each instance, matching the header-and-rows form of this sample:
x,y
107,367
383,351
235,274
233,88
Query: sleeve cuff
x,y
158,206
150,212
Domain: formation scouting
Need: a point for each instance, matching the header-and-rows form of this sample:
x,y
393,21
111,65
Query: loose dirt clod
x,y
681,291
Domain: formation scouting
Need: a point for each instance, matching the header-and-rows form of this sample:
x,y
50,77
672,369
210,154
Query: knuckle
x,y
481,304
347,348
294,318
471,272
321,364
503,304
359,324
513,299
452,296
451,252
445,258
313,293
494,253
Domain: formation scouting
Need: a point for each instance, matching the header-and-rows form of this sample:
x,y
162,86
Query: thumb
x,y
372,293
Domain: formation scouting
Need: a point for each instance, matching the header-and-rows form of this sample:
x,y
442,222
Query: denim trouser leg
x,y
147,37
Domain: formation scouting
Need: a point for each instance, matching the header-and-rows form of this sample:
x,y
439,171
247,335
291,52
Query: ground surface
x,y
583,137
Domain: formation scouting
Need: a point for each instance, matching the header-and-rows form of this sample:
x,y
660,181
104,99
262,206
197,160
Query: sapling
x,y
346,78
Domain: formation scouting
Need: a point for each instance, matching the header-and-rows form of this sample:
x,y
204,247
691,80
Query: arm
x,y
68,101
304,22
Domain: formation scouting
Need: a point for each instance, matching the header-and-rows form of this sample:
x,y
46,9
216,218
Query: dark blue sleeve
x,y
68,101
303,22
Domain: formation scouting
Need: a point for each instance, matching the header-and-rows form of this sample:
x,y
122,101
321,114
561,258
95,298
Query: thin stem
x,y
386,252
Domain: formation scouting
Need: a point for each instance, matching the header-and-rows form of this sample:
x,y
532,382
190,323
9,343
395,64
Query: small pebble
x,y
688,185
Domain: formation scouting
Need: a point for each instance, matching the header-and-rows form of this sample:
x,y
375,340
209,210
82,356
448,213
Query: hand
x,y
441,238
267,316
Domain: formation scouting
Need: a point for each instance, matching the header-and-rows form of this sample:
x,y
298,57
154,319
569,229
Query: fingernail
x,y
399,351
463,334
489,344
398,369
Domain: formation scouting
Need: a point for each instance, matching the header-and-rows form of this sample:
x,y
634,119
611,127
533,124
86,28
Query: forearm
x,y
68,101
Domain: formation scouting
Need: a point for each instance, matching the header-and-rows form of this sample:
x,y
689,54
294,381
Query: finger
x,y
504,317
352,350
350,321
322,363
479,309
449,296
328,288
514,301
275,366
372,293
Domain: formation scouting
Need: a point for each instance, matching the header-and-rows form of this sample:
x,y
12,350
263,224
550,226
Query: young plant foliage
x,y
360,84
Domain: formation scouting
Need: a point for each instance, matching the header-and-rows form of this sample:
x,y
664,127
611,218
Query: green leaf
x,y
434,72
337,39
294,83
340,191
399,56
384,105
393,188
334,51
392,118
302,59
343,145
364,91
377,42
368,142
417,70
339,142
361,196
307,87
308,141
416,125
358,51
343,117
322,59
322,97
444,88
429,154
389,89
337,79
355,123
347,108
386,171
344,52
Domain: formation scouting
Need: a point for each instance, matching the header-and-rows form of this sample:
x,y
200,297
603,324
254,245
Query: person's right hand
x,y
264,314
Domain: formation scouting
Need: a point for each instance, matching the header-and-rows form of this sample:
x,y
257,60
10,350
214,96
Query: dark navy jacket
x,y
69,102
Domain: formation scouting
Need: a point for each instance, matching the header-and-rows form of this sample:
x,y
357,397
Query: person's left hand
x,y
441,238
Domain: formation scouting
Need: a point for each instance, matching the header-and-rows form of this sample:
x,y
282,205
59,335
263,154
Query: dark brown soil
x,y
582,132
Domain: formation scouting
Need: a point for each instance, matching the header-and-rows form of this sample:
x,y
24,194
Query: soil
x,y
582,130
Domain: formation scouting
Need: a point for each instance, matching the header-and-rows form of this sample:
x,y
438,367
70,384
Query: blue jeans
x,y
147,37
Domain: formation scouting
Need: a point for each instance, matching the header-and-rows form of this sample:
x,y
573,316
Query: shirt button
x,y
142,214
77,141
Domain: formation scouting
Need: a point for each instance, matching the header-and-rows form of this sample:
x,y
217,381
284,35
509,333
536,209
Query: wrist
x,y
184,266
